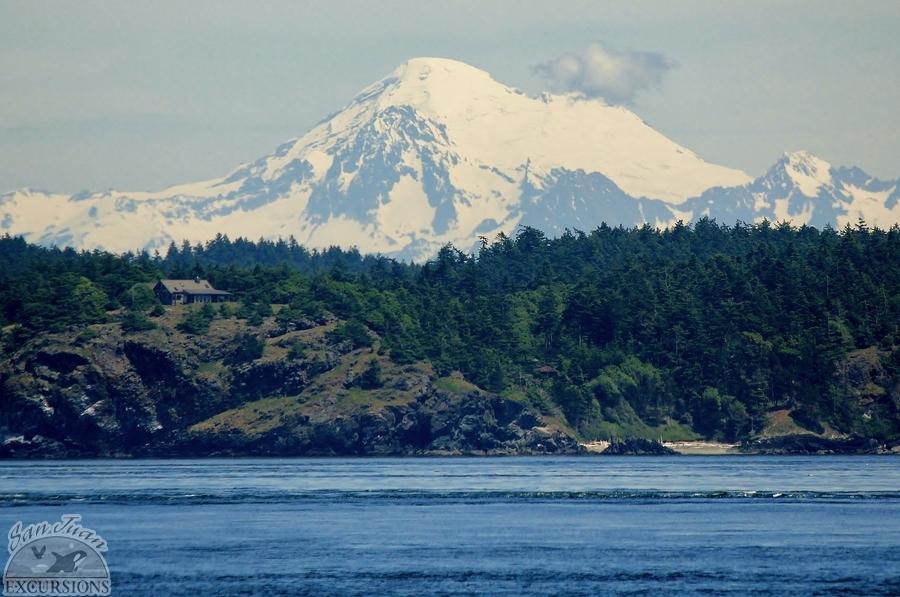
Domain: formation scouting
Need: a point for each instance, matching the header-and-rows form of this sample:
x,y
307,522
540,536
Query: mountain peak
x,y
804,157
425,67
437,86
494,124
808,171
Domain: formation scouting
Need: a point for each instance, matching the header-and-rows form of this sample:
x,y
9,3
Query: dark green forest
x,y
707,327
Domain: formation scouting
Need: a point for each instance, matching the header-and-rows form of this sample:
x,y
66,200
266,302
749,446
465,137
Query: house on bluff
x,y
180,292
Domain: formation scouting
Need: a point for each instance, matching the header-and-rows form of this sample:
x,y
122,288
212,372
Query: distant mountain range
x,y
438,152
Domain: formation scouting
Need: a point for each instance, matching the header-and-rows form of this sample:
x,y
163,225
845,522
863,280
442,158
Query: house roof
x,y
195,286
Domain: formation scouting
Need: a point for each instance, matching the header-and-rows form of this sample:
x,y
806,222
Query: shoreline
x,y
788,445
591,450
686,448
806,445
703,448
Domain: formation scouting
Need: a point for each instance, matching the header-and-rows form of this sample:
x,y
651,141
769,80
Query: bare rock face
x,y
107,399
255,380
177,396
55,399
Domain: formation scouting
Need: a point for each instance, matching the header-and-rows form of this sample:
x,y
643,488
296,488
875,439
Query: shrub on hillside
x,y
247,347
135,321
196,321
370,378
352,331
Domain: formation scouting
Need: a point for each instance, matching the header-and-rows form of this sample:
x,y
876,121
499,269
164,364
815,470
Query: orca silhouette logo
x,y
56,558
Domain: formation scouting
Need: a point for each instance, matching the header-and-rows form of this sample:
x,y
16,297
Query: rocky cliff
x,y
100,391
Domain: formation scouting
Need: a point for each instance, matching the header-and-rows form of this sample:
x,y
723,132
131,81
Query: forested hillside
x,y
699,329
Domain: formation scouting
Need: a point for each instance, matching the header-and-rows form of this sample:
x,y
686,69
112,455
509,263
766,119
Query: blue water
x,y
509,526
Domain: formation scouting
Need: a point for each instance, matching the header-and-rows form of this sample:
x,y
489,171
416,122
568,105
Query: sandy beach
x,y
701,448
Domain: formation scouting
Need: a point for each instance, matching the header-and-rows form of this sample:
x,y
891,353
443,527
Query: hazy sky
x,y
138,96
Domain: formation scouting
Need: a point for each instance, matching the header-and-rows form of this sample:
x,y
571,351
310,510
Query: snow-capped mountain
x,y
439,152
804,189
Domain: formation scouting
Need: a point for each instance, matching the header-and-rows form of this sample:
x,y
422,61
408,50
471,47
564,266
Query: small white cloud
x,y
615,75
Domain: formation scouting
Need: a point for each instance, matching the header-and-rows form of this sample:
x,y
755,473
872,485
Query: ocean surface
x,y
501,526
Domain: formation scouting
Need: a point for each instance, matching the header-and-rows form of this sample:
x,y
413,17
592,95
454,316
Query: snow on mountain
x,y
804,189
439,152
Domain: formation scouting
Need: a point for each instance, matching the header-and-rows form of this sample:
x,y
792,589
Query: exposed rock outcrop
x,y
638,447
163,392
436,423
804,444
